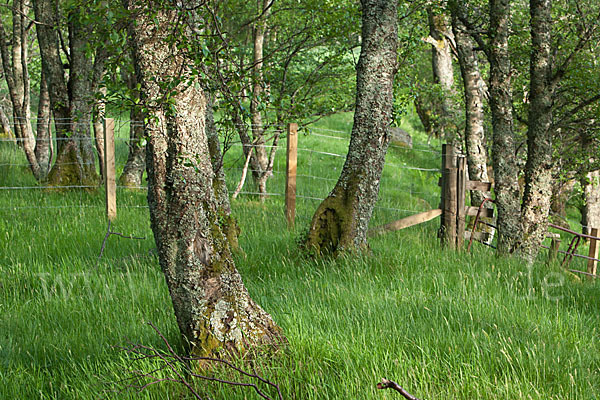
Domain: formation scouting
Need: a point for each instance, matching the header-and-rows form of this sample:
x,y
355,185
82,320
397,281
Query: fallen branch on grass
x,y
387,384
179,369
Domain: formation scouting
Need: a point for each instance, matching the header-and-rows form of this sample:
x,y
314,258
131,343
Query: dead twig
x,y
179,369
387,384
108,233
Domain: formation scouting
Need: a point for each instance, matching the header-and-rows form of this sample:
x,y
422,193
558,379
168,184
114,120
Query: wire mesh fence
x,y
408,183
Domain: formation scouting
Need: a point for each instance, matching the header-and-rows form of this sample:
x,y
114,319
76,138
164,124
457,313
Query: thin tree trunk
x,y
99,113
133,171
342,219
506,185
71,103
7,132
43,146
260,27
16,72
52,63
440,38
591,205
213,308
475,144
538,170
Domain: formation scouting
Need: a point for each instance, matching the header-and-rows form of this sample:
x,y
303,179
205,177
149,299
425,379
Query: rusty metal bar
x,y
477,221
560,228
574,255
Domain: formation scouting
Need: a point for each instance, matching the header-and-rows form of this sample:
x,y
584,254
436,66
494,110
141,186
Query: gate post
x,y
449,198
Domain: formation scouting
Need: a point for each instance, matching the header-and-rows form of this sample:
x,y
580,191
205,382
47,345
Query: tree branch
x,y
387,384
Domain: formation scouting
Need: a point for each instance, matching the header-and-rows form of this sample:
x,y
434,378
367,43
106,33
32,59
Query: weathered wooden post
x,y
554,246
449,196
290,175
593,264
461,190
109,168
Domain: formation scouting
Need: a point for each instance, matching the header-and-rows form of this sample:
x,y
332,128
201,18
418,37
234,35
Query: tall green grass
x,y
445,325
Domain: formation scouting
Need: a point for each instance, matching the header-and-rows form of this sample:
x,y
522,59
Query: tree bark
x,y
99,113
228,223
475,144
341,220
261,175
16,72
538,170
71,101
591,205
506,185
440,38
6,132
133,171
43,146
213,308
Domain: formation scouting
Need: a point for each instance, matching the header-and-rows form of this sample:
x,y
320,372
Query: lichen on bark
x,y
341,221
214,311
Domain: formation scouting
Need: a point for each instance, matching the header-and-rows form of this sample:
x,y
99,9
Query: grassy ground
x,y
445,325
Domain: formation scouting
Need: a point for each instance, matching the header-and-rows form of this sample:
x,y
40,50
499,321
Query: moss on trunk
x,y
70,169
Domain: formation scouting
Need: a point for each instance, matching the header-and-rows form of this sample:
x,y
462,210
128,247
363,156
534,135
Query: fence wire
x,y
408,183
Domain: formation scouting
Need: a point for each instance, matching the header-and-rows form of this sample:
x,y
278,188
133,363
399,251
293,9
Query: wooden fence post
x,y
449,196
554,246
461,190
290,175
593,264
109,168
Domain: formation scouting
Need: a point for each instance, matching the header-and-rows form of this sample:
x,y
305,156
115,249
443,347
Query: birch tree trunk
x,y
506,185
16,72
213,308
475,144
342,219
440,38
261,175
44,148
591,206
538,170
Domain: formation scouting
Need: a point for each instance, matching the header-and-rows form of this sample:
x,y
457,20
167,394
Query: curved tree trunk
x,y
213,308
341,220
538,170
506,171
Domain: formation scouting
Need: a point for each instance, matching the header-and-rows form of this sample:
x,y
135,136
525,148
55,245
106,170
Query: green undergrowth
x,y
443,324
